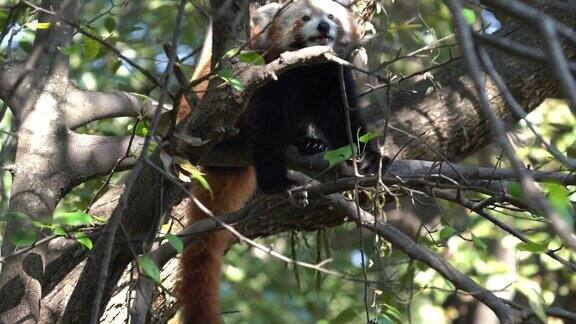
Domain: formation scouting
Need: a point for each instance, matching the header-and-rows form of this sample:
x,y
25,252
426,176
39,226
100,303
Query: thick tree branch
x,y
83,107
92,155
37,186
535,197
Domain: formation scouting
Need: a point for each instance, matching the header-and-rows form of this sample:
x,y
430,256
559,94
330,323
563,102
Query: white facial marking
x,y
316,12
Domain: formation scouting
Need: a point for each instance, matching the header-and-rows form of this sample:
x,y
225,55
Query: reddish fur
x,y
201,261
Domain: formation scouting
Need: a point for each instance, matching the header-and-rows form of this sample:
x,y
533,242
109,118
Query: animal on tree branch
x,y
394,160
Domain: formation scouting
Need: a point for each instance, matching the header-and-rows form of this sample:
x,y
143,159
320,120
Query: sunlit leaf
x,y
99,219
480,244
193,173
469,15
533,247
251,57
228,76
231,52
73,219
149,268
84,240
141,128
35,25
339,155
92,47
558,197
447,232
176,242
59,231
393,313
366,137
115,66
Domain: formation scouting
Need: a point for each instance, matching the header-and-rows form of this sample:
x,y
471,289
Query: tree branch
x,y
92,155
83,107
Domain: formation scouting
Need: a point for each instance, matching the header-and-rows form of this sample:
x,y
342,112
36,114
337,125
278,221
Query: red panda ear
x,y
260,18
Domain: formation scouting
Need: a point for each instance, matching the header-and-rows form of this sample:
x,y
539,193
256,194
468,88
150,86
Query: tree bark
x,y
37,185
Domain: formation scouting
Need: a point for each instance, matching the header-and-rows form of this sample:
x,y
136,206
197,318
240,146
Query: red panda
x,y
274,119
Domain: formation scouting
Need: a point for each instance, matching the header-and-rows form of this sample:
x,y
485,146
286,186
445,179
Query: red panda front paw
x,y
370,164
298,197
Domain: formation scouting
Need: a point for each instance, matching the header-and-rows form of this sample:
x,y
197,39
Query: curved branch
x,y
83,107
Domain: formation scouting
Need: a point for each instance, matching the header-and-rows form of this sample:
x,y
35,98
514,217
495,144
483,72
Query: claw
x,y
309,146
298,198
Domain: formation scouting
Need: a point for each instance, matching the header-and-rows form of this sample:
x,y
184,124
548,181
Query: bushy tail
x,y
201,261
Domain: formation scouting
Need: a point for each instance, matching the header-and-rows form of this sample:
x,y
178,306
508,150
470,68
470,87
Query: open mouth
x,y
323,40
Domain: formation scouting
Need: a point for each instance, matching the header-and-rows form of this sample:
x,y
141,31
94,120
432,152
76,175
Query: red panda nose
x,y
323,27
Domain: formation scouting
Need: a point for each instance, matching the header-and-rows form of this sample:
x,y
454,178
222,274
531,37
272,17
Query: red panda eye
x,y
330,16
306,18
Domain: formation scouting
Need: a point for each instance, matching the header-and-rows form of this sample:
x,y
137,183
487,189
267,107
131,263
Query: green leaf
x,y
84,240
25,46
73,219
393,313
74,49
251,57
92,47
447,232
142,129
35,25
228,76
23,238
366,137
533,247
99,219
149,268
199,176
59,231
176,242
231,52
110,24
237,84
469,16
480,244
339,155
17,216
115,65
515,190
558,197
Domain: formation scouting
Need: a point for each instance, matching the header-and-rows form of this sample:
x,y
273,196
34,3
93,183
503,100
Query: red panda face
x,y
304,23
